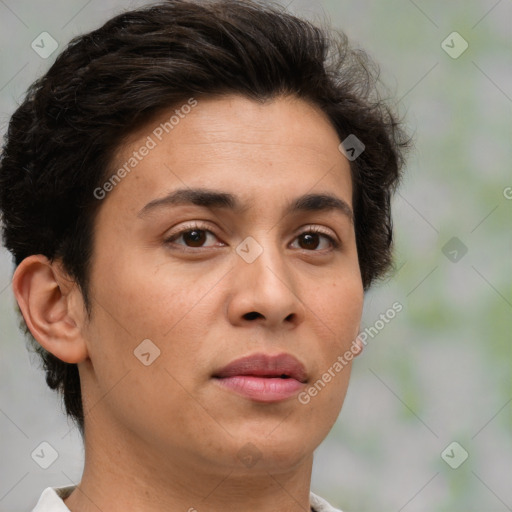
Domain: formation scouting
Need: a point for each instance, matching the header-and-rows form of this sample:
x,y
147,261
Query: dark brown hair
x,y
107,83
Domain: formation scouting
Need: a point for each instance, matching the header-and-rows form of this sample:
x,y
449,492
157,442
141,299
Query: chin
x,y
282,451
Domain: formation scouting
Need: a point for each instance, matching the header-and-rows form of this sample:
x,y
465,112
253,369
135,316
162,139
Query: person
x,y
197,198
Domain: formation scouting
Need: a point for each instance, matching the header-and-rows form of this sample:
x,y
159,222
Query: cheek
x,y
337,317
131,306
338,324
146,300
338,307
162,303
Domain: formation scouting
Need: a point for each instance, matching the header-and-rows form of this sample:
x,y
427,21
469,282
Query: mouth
x,y
263,377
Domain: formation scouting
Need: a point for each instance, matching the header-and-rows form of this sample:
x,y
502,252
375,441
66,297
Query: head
x,y
231,97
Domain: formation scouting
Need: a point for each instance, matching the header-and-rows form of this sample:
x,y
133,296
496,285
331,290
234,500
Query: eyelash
x,y
201,227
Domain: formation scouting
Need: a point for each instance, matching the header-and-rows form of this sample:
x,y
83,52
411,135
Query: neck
x,y
146,479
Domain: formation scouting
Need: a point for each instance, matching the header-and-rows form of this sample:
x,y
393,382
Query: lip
x,y
263,377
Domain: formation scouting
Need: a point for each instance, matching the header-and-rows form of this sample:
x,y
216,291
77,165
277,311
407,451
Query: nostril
x,y
252,315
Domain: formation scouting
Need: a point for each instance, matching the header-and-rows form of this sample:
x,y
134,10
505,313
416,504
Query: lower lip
x,y
262,389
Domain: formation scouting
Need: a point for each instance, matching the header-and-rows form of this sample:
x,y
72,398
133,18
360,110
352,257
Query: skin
x,y
166,436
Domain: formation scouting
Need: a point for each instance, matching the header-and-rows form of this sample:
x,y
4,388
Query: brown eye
x,y
194,237
311,240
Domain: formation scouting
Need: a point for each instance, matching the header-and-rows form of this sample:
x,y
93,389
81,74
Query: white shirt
x,y
51,500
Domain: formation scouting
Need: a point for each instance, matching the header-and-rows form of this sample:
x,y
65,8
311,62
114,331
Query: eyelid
x,y
205,227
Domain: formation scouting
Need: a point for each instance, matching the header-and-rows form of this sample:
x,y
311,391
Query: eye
x,y
194,236
311,239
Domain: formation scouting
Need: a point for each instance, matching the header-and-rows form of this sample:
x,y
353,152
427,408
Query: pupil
x,y
310,240
195,236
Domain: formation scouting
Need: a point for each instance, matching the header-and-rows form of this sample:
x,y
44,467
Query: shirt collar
x,y
52,500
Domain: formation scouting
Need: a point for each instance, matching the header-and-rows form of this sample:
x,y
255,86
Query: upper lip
x,y
265,365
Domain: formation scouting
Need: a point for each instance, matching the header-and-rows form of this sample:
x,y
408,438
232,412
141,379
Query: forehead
x,y
253,149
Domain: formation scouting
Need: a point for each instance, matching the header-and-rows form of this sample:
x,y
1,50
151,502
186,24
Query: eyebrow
x,y
211,199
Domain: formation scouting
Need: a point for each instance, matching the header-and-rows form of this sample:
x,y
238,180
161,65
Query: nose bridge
x,y
265,283
264,260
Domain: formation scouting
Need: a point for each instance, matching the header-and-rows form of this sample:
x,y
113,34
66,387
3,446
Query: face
x,y
208,279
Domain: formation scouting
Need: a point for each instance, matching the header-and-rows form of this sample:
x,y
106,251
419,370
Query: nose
x,y
265,291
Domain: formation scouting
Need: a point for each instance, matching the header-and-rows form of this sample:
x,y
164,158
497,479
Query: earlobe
x,y
45,300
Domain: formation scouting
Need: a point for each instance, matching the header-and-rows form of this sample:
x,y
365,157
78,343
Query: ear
x,y
52,307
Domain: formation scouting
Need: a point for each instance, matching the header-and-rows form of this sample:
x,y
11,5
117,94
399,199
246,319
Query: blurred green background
x,y
440,371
